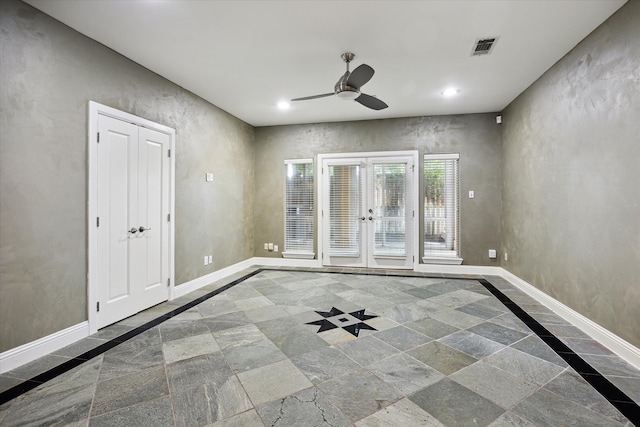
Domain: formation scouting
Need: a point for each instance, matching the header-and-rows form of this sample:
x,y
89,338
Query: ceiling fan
x,y
348,87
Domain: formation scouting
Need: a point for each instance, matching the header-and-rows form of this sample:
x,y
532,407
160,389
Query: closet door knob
x,y
142,229
133,230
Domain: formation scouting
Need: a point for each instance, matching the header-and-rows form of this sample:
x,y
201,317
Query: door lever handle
x,y
370,218
142,229
133,230
362,218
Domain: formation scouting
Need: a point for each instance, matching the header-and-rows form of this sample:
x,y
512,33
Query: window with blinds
x,y
441,209
298,209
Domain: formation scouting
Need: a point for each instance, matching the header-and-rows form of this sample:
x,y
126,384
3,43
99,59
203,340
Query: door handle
x,y
362,218
142,229
133,230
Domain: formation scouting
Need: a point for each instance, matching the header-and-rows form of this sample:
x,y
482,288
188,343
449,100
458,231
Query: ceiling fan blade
x,y
313,97
360,76
371,102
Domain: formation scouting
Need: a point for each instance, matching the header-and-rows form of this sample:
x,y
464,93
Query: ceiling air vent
x,y
483,46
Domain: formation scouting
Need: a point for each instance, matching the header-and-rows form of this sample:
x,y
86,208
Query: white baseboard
x,y
459,269
619,346
286,262
207,279
29,352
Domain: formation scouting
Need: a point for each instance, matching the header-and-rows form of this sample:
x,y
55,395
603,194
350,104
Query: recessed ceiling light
x,y
450,92
283,105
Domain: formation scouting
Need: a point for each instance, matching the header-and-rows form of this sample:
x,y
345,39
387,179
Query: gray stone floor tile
x,y
524,366
456,318
208,403
509,320
405,373
189,347
269,312
273,381
246,348
566,331
305,408
324,364
497,333
155,413
498,386
36,367
79,347
611,365
246,419
139,353
432,328
478,310
170,331
420,293
549,409
359,394
509,419
630,386
405,313
534,346
227,321
63,400
455,405
402,413
587,346
6,382
127,390
208,369
367,350
572,386
402,338
456,298
442,357
472,344
291,337
217,307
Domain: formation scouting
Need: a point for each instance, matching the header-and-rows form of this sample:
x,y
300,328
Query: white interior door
x,y
368,212
132,207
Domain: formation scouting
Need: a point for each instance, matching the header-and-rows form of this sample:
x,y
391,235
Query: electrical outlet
x,y
266,246
270,246
206,260
506,258
492,253
275,248
210,259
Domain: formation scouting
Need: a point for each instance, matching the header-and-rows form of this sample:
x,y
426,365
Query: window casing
x,y
298,209
441,209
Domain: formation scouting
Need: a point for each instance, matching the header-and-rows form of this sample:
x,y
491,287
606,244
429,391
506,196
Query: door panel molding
x,y
95,110
366,157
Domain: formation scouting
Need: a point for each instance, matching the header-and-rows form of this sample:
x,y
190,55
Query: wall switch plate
x,y
210,259
472,194
208,177
270,246
506,258
266,246
206,260
275,248
492,253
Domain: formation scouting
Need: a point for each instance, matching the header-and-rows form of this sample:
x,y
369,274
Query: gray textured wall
x,y
571,181
48,73
476,137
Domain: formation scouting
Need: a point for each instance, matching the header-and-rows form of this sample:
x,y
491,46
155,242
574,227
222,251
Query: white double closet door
x,y
368,211
133,207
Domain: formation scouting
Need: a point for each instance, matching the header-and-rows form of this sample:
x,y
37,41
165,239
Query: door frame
x,y
95,110
415,196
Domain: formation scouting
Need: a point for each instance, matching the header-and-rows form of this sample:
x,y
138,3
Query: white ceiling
x,y
245,56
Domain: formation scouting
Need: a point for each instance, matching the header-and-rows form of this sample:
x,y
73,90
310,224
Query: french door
x,y
132,227
368,217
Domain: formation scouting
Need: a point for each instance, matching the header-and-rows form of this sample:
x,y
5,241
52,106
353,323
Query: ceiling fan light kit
x,y
348,86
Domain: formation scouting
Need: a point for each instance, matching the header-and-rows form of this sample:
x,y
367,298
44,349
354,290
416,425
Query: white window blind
x,y
345,201
441,209
298,216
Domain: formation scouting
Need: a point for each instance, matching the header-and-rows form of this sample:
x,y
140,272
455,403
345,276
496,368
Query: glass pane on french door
x,y
345,206
389,201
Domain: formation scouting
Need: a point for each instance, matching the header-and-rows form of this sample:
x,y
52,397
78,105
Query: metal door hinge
x,y
169,282
413,214
98,137
98,221
98,306
168,153
168,217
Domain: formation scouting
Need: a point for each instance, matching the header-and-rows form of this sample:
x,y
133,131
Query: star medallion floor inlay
x,y
336,318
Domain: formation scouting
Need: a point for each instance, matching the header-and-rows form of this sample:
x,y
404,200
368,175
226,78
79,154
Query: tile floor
x,y
279,348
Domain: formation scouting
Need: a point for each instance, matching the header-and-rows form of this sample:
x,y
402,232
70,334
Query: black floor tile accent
x,y
606,388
